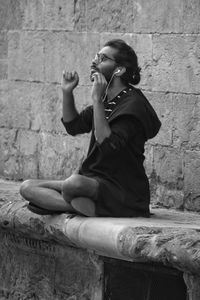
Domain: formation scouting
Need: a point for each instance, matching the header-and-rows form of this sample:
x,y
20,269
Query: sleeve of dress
x,y
123,129
82,123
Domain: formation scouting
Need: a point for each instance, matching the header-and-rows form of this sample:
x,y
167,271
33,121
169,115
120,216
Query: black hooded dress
x,y
117,163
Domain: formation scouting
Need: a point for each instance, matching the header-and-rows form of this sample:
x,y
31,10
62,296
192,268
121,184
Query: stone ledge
x,y
169,237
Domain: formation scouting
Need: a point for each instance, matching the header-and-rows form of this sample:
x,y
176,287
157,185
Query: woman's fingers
x,y
69,75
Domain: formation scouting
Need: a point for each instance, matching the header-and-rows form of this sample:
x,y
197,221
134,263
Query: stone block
x,y
27,142
186,121
70,51
36,106
110,16
82,95
27,154
18,154
30,105
191,180
28,167
78,274
3,45
28,275
46,106
33,14
46,109
26,56
3,69
163,105
166,16
59,14
11,14
191,16
176,65
3,55
80,15
162,196
56,15
3,102
16,101
33,268
8,153
15,106
157,16
148,163
60,155
168,166
179,117
142,45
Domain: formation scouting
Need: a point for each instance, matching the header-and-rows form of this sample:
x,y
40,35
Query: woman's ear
x,y
120,71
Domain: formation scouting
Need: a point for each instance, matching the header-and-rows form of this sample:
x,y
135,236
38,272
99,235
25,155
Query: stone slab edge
x,y
169,237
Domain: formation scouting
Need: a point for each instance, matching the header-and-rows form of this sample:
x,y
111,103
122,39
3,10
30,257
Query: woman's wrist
x,y
97,100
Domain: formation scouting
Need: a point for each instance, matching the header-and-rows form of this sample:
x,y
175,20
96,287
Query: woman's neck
x,y
115,89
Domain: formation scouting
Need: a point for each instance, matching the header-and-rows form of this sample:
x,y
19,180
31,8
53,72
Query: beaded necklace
x,y
110,105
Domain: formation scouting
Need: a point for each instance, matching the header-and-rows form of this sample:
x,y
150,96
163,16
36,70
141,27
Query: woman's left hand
x,y
99,87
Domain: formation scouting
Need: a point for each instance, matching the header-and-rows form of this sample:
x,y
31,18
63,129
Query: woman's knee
x,y
79,186
25,187
72,187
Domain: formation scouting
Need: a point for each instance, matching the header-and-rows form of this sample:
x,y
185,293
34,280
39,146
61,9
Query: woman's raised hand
x,y
69,81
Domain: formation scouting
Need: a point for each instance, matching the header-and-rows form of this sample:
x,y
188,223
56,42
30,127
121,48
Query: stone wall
x,y
40,38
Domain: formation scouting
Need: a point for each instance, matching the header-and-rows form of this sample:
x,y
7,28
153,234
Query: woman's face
x,y
104,62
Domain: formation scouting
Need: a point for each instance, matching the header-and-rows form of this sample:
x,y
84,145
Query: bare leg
x,y
75,194
45,194
81,192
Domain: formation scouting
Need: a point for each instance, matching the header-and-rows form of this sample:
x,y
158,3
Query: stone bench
x,y
61,256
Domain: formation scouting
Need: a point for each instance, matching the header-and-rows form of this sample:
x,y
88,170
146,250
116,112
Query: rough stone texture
x,y
26,56
164,106
162,195
186,121
167,177
16,99
60,156
176,65
80,15
29,272
11,14
59,14
168,164
33,14
8,165
53,267
118,15
3,44
166,16
191,182
51,15
3,69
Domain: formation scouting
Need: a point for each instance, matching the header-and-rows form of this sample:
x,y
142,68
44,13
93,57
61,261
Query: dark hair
x,y
126,57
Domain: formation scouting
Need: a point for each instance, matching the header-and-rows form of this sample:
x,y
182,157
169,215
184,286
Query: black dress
x,y
117,163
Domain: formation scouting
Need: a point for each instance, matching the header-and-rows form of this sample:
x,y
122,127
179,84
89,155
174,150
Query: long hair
x,y
126,57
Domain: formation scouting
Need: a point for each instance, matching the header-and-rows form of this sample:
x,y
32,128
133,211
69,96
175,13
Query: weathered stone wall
x,y
40,38
62,256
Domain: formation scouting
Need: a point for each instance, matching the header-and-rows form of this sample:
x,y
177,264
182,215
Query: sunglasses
x,y
99,57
